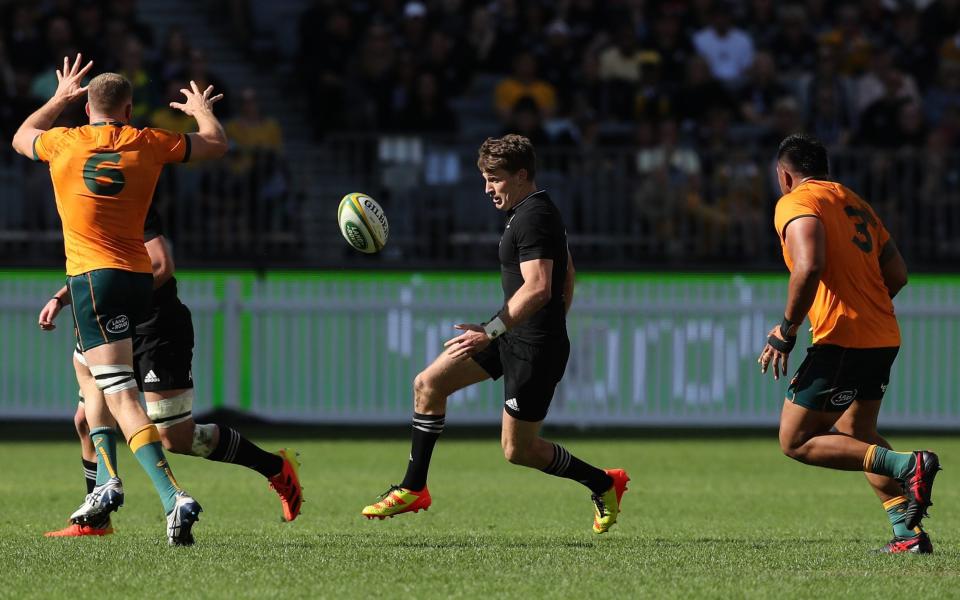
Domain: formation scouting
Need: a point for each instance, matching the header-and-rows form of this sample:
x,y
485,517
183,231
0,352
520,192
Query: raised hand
x,y
197,101
70,80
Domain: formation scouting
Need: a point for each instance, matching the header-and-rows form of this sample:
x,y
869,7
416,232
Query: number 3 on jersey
x,y
862,218
101,177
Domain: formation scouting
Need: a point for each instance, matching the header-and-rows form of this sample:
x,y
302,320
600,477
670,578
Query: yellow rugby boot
x,y
607,505
398,500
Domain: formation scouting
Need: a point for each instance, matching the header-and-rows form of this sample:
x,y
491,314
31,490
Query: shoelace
x,y
386,498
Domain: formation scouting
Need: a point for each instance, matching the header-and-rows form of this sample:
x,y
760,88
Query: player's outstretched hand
x,y
777,357
197,101
472,340
70,81
48,314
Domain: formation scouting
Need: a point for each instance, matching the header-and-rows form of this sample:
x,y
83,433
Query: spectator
x,y
787,119
651,101
374,77
482,38
794,48
133,68
250,131
945,93
913,52
728,50
829,118
879,123
526,119
699,93
125,11
854,47
673,48
912,130
621,62
558,61
23,38
427,110
524,83
174,56
414,27
762,17
873,84
761,92
198,72
444,59
89,31
329,55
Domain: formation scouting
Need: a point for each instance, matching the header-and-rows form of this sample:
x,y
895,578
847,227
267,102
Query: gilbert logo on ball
x,y
363,223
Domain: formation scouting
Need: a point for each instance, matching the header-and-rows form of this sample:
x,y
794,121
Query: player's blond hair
x,y
511,153
109,92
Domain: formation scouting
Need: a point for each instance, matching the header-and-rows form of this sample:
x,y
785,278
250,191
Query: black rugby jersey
x,y
152,229
535,230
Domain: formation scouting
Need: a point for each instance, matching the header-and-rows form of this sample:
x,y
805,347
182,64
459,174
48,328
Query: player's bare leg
x,y
172,412
522,445
89,458
806,436
431,388
111,366
860,421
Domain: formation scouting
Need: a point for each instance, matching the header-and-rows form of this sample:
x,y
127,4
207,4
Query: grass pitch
x,y
703,518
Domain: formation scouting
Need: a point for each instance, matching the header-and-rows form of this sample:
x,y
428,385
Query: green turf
x,y
703,518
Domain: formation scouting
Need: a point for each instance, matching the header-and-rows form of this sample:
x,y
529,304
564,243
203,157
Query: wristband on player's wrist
x,y
785,326
59,301
495,327
786,344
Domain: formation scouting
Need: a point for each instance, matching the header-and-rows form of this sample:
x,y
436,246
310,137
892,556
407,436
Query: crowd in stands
x,y
880,73
34,38
692,95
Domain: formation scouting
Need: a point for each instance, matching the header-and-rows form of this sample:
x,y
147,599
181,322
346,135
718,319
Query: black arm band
x,y
59,301
784,346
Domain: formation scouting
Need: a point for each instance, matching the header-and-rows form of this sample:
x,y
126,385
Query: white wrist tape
x,y
495,328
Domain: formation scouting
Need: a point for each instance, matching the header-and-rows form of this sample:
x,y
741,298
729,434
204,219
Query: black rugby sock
x,y
234,448
569,466
90,473
426,432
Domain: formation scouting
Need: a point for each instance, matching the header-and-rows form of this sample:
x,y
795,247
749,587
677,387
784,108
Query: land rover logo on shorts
x,y
843,398
118,324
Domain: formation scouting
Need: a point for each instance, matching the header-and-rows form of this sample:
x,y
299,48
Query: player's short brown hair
x,y
109,92
511,153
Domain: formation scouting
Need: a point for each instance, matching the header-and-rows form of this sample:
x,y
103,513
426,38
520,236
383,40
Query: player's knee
x,y
515,454
80,423
791,445
170,416
424,391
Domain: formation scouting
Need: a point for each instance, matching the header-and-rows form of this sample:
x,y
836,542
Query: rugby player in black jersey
x,y
525,342
163,353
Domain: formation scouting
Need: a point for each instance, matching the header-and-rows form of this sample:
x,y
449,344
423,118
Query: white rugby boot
x,y
103,500
180,520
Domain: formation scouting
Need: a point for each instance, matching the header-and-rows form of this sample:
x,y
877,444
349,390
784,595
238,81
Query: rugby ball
x,y
363,223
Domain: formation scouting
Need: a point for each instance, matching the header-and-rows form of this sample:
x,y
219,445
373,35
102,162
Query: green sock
x,y
897,513
887,462
146,446
105,445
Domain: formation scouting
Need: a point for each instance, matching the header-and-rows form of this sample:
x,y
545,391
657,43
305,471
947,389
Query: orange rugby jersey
x,y
104,177
853,306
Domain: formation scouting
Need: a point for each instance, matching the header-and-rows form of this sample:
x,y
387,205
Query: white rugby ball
x,y
363,223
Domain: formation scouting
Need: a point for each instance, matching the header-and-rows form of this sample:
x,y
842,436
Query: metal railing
x,y
344,348
624,207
